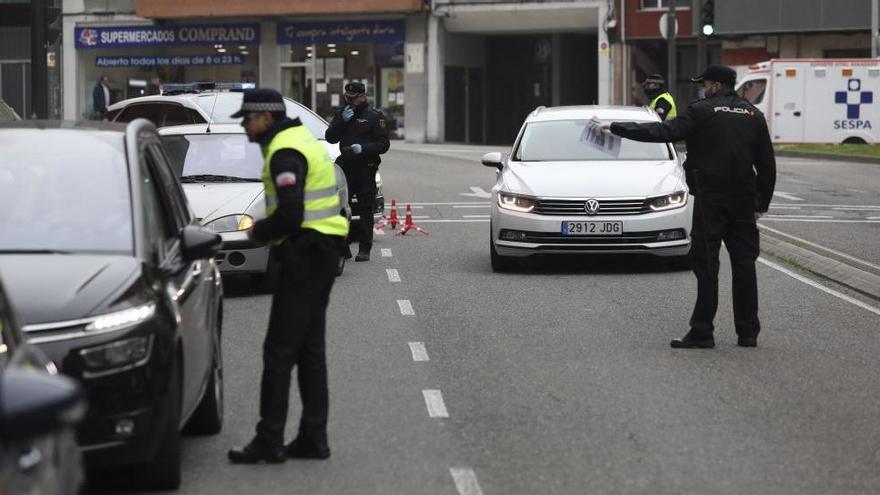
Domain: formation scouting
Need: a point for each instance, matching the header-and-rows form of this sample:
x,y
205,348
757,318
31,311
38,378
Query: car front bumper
x,y
527,234
240,255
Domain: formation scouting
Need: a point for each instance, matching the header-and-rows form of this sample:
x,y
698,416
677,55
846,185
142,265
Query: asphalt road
x,y
558,378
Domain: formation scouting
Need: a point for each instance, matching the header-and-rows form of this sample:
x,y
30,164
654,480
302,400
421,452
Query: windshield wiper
x,y
216,178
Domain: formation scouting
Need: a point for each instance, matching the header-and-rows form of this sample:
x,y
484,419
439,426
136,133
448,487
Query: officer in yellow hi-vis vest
x,y
661,101
304,226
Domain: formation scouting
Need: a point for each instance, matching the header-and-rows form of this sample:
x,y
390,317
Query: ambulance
x,y
817,100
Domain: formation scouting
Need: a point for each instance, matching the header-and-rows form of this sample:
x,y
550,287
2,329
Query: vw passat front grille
x,y
572,207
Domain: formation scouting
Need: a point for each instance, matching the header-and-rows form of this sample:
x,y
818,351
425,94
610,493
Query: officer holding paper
x,y
731,171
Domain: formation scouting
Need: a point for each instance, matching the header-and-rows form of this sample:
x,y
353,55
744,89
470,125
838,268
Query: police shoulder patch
x,y
382,123
285,179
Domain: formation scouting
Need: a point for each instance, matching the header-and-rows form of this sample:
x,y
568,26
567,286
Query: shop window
x,y
664,4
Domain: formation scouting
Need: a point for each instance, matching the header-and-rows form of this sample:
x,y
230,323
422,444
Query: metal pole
x,y
875,26
670,35
624,62
39,71
701,38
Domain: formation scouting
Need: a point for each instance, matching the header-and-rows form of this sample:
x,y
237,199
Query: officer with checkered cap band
x,y
362,134
303,227
660,100
731,172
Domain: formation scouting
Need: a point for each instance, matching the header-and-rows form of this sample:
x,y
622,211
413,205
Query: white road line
x,y
434,401
386,252
468,220
814,220
473,206
393,275
785,195
821,287
421,217
873,218
785,207
805,205
855,208
405,307
808,243
465,481
454,203
419,353
475,216
799,216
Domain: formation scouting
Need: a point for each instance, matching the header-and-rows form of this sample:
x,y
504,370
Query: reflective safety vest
x,y
322,205
668,97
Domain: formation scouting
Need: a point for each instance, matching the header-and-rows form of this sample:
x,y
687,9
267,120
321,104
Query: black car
x,y
38,413
115,281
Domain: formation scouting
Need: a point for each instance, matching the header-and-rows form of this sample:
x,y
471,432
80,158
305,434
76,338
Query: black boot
x,y
301,448
362,256
694,340
257,452
747,341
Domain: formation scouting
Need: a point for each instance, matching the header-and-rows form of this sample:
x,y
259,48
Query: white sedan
x,y
565,189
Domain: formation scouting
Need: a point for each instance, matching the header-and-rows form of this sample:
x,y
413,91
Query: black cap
x,y
717,73
355,88
260,100
655,79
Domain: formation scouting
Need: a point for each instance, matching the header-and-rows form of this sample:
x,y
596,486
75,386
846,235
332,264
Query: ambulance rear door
x,y
789,94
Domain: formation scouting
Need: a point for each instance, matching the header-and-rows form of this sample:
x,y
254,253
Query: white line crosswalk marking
x,y
406,307
419,352
466,481
434,402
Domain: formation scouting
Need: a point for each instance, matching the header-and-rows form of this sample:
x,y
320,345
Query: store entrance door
x,y
296,83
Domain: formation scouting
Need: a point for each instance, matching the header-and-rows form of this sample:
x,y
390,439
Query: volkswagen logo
x,y
591,207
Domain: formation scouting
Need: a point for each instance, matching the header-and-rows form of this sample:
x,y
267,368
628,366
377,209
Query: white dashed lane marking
x,y
419,353
785,195
386,252
472,206
406,307
434,402
475,216
466,481
393,274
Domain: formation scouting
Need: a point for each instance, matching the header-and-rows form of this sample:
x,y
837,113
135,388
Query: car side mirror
x,y
199,243
494,159
33,404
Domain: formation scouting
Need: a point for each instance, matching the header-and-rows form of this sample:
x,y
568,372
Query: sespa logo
x,y
853,98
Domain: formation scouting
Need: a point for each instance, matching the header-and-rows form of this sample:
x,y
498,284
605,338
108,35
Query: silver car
x,y
566,190
220,171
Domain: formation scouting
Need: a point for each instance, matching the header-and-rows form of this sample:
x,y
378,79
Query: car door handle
x,y
797,114
190,280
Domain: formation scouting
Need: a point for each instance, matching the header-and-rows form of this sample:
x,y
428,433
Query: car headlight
x,y
515,202
117,354
122,319
230,223
668,202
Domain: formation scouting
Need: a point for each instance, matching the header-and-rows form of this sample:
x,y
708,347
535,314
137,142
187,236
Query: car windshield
x,y
214,157
64,191
229,103
563,140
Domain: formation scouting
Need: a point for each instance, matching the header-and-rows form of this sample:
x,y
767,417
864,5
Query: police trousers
x,y
727,217
361,179
297,324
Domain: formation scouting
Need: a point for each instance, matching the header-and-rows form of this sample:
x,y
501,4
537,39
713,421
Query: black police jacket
x,y
728,145
367,128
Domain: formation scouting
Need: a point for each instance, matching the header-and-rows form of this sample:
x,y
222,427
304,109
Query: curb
x,y
828,156
862,281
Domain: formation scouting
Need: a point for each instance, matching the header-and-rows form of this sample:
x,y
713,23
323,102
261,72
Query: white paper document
x,y
602,140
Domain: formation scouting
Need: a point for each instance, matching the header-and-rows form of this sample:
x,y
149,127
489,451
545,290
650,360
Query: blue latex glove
x,y
356,149
347,113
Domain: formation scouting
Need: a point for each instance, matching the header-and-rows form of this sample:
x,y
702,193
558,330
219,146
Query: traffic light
x,y
54,22
707,17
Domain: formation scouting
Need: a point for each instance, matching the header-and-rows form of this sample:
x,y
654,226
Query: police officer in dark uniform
x,y
304,227
362,134
731,171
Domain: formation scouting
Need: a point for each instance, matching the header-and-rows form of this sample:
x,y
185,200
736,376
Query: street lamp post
x,y
670,30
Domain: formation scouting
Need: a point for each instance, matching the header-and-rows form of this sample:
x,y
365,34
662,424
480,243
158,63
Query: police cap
x,y
355,88
655,79
260,100
717,73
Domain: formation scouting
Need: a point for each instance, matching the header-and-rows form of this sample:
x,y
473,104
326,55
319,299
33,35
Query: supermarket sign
x,y
307,33
170,35
168,60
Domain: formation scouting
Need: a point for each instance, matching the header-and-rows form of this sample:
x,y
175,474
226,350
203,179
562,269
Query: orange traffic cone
x,y
392,222
408,223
